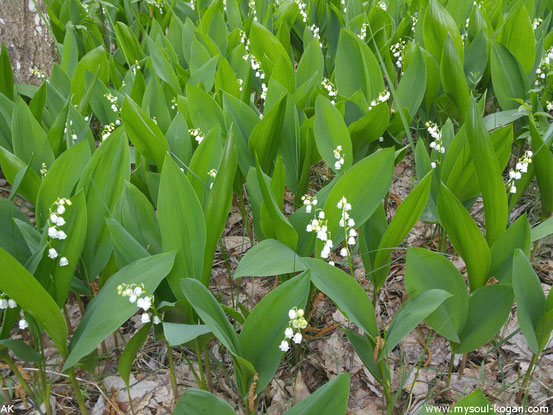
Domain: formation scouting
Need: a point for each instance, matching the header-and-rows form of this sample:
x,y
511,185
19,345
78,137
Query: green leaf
x,y
260,338
128,44
347,294
365,351
182,225
143,132
11,166
203,109
427,270
211,313
331,132
437,26
465,237
411,88
102,180
508,77
488,172
95,62
218,204
27,292
543,165
269,257
330,399
489,307
6,74
530,298
125,247
364,186
453,78
129,354
473,402
542,230
162,67
21,349
517,35
29,139
284,232
411,313
61,179
517,236
177,334
200,402
543,330
267,48
13,240
108,310
407,214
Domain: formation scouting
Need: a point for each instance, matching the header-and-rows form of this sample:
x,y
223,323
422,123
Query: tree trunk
x,y
27,37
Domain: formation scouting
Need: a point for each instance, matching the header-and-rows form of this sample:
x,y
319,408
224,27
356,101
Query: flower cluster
x,y
70,130
343,4
363,34
174,103
108,129
347,223
544,66
135,67
536,23
240,83
6,303
382,97
56,221
415,20
330,89
113,100
339,156
382,5
520,168
302,7
549,106
309,202
197,134
254,63
397,50
251,6
213,174
316,33
293,331
436,134
138,294
43,170
38,73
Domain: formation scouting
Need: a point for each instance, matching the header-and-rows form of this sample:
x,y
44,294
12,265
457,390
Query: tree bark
x,y
27,38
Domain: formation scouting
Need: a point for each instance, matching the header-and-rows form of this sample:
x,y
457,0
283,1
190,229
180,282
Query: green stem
x,y
196,377
77,390
450,368
526,381
208,371
386,385
172,372
200,365
462,367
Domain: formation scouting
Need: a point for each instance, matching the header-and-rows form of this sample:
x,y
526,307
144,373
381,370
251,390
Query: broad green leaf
x,y
330,133
200,402
95,62
218,204
211,313
543,330
61,179
143,132
427,270
517,236
310,64
129,354
489,307
412,313
12,240
267,48
465,237
128,44
126,248
364,186
11,165
412,86
488,172
27,292
370,235
543,165
517,35
108,310
182,224
264,140
365,351
6,74
347,294
330,399
259,338
437,26
530,298
542,230
29,139
102,180
508,77
162,66
407,214
269,257
471,402
20,349
177,334
204,110
453,78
